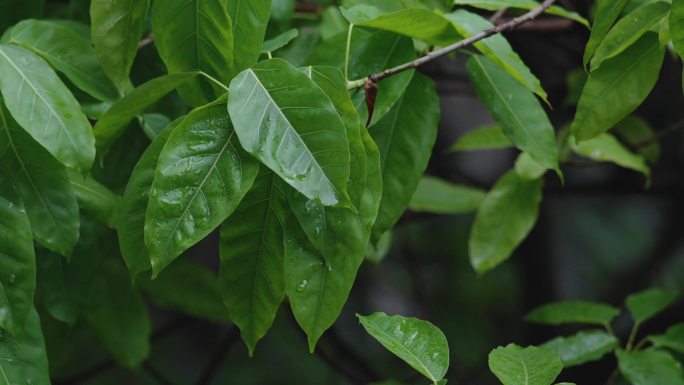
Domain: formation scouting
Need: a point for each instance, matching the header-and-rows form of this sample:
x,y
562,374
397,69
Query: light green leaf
x,y
493,5
249,21
418,23
67,52
482,138
618,87
95,197
116,119
504,219
279,41
116,27
650,367
646,304
573,312
514,365
43,185
405,137
607,13
636,132
672,339
195,35
202,175
438,196
17,263
497,49
419,343
606,148
676,26
44,107
583,347
628,30
25,359
528,168
277,112
519,113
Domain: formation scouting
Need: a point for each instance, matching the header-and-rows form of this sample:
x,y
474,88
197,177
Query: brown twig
x,y
498,15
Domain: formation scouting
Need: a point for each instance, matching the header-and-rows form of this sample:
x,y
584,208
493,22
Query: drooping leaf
x,y
404,149
202,175
494,5
505,217
607,13
648,303
249,21
583,347
438,196
618,87
650,367
606,148
13,11
573,312
279,41
277,112
676,26
116,119
24,360
628,30
528,168
116,27
419,343
515,108
637,133
482,138
44,107
43,185
672,339
67,52
514,365
95,197
418,23
195,35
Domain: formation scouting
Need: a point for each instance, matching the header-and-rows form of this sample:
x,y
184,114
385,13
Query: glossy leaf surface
x,y
249,19
95,197
421,24
25,359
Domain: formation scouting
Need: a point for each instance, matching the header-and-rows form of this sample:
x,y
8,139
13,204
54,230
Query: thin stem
x,y
346,52
632,336
641,344
609,328
269,54
214,80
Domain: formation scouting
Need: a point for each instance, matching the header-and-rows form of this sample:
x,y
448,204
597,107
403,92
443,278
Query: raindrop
x,y
154,193
12,278
302,285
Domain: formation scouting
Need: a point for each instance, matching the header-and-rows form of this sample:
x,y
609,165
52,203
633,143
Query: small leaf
x,y
607,13
514,365
24,360
419,343
434,195
493,5
650,367
482,138
672,339
507,215
95,197
422,24
646,304
606,148
279,41
573,312
583,347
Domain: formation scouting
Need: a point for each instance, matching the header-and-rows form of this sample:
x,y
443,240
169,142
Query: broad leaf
x,y
438,196
405,137
514,365
583,347
67,52
117,26
606,148
202,175
419,343
618,87
648,303
482,138
650,367
96,198
505,217
573,312
195,35
676,26
515,108
279,41
672,339
43,185
24,360
249,21
493,5
422,24
277,112
607,13
44,107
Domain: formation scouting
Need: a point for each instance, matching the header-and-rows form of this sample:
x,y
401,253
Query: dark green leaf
x,y
153,124
24,360
493,5
650,367
637,133
573,312
435,195
606,15
249,21
279,41
676,26
672,339
419,343
646,304
514,365
482,138
585,346
422,24
95,197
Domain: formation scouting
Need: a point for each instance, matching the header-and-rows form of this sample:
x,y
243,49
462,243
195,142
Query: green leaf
x,y
13,11
44,107
493,5
514,365
116,27
528,168
672,339
583,347
573,312
505,217
676,26
251,248
636,132
482,138
419,343
405,137
646,304
497,49
95,197
202,175
67,52
519,113
24,360
606,148
650,367
618,87
279,41
628,30
17,263
607,13
116,119
277,111
435,195
422,24
153,124
249,21
190,288
43,185
195,35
